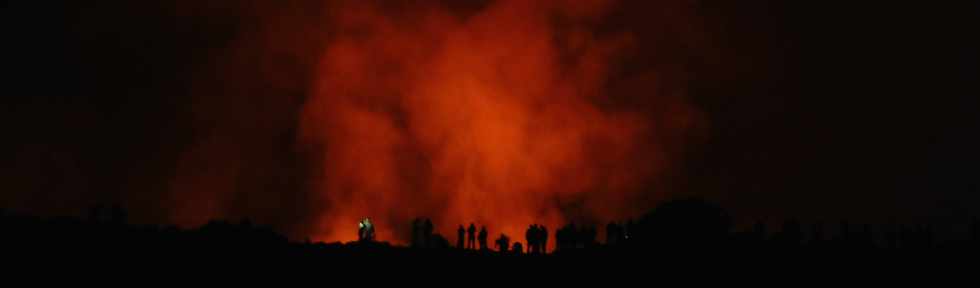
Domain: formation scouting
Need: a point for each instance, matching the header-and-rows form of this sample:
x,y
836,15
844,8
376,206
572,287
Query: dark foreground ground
x,y
687,235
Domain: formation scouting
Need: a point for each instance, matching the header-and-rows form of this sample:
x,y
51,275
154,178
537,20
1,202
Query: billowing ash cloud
x,y
501,116
308,115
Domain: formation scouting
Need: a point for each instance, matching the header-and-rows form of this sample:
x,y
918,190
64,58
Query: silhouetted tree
x,y
683,223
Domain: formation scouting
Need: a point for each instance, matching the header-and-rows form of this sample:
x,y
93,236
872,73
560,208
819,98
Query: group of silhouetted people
x,y
537,239
472,238
468,238
617,234
674,226
571,236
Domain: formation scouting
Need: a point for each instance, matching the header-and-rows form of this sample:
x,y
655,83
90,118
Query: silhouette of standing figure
x,y
417,232
471,239
427,233
365,230
543,239
529,237
460,236
482,238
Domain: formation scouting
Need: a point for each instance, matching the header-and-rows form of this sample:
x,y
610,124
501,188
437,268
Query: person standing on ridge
x,y
482,238
460,236
471,240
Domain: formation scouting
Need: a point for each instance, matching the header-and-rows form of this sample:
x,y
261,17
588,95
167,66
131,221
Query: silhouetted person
x,y
529,237
543,239
588,237
518,248
427,233
460,236
565,237
482,237
612,234
503,243
417,232
471,239
365,230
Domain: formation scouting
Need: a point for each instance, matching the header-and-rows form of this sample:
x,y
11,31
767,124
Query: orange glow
x,y
490,118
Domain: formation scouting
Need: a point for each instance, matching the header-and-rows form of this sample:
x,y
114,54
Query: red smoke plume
x,y
306,115
501,117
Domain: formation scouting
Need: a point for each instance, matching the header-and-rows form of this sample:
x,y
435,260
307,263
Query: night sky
x,y
305,115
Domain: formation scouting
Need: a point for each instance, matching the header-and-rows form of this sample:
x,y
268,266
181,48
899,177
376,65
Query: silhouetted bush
x,y
690,223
